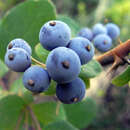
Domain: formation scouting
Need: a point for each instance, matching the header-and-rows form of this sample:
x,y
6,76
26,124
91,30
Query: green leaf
x,y
41,52
3,69
28,97
123,78
24,21
46,112
60,125
82,113
10,110
75,27
86,81
90,70
52,89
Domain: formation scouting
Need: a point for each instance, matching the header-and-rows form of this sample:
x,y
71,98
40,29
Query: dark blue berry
x,y
113,30
36,79
99,29
63,64
54,34
102,42
72,92
83,47
86,33
19,43
17,59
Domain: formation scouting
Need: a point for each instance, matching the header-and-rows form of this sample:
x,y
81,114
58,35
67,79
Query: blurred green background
x,y
113,103
88,12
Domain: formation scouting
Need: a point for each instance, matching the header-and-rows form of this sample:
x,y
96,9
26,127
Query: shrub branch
x,y
116,56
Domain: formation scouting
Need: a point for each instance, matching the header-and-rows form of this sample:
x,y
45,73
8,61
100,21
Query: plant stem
x,y
38,62
58,108
34,118
26,120
19,121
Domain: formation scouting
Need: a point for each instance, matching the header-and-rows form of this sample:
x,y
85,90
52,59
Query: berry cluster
x,y
63,63
101,35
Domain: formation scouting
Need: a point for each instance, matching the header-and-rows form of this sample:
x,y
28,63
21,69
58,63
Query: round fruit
x,y
113,30
102,42
54,34
19,43
99,29
86,33
36,79
17,59
72,92
83,47
63,64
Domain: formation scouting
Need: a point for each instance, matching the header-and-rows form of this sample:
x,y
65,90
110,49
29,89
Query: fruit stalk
x,y
37,62
120,51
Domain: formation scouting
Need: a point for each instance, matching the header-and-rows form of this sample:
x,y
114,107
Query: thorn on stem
x,y
117,61
119,40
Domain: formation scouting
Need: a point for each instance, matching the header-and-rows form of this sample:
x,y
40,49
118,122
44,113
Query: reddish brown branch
x,y
121,51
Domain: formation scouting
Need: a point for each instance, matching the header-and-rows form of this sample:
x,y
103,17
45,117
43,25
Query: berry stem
x,y
38,62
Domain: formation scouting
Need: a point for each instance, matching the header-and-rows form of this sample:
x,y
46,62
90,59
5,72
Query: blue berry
x,y
99,29
17,59
112,30
83,47
63,64
19,43
36,79
72,92
54,34
102,42
86,33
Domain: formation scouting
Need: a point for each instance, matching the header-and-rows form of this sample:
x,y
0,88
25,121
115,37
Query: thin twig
x,y
19,121
38,62
26,120
58,108
34,118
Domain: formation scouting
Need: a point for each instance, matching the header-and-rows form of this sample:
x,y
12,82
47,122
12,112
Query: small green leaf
x,y
24,21
82,113
52,89
10,109
46,112
86,81
3,69
41,52
90,70
123,78
75,27
60,125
